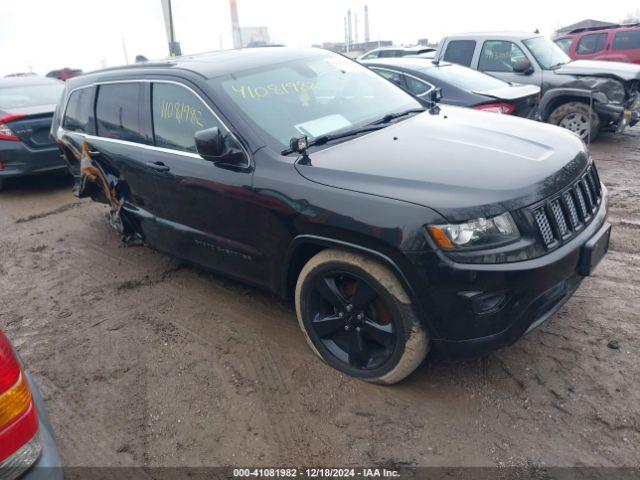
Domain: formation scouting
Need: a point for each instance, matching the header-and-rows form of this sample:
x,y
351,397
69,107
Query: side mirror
x,y
435,95
523,66
212,145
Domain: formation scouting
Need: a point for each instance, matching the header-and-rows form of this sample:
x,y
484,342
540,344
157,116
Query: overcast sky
x,y
45,34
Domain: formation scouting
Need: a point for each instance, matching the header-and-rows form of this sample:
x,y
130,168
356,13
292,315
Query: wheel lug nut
x,y
357,329
340,315
360,316
349,308
346,327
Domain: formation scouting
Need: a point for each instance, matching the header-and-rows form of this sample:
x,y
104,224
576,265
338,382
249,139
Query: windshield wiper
x,y
321,140
392,116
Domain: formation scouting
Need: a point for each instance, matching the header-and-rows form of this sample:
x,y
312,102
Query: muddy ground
x,y
146,362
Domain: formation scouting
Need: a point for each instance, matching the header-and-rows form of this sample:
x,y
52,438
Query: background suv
x,y
614,44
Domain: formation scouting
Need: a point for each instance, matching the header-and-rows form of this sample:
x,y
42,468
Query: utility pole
x,y
235,25
174,47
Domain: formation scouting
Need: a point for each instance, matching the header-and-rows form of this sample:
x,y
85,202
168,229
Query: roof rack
x,y
604,27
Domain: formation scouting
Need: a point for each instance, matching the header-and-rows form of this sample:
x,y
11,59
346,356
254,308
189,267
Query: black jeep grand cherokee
x,y
396,228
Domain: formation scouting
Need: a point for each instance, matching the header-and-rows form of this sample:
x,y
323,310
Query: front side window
x,y
564,44
460,52
547,53
499,56
177,115
77,115
590,44
118,112
627,40
312,96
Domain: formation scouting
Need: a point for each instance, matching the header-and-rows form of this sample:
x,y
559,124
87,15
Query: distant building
x,y
255,36
424,42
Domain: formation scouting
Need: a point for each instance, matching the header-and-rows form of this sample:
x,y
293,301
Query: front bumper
x,y
474,309
19,160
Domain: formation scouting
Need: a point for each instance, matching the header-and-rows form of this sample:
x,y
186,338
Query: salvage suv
x,y
584,96
397,227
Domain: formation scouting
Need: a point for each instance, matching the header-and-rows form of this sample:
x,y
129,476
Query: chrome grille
x,y
561,217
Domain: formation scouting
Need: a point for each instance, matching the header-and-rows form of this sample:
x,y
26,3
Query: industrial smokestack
x,y
235,25
367,38
346,33
349,42
356,24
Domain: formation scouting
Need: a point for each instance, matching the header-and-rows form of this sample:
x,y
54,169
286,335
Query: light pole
x,y
174,46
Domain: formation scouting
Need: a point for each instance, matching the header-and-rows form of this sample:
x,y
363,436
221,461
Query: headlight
x,y
475,233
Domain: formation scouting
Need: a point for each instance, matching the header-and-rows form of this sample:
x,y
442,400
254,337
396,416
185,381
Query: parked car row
x,y
583,96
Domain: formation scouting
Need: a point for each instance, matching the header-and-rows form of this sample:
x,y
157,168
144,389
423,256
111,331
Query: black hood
x,y
597,68
462,163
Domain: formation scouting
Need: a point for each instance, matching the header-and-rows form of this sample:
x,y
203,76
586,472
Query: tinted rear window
x,y
77,116
460,52
30,96
465,78
629,40
118,112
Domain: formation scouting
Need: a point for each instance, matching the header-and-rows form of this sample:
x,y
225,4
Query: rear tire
x,y
357,317
574,116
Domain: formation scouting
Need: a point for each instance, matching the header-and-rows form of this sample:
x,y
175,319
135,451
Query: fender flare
x,y
552,95
328,242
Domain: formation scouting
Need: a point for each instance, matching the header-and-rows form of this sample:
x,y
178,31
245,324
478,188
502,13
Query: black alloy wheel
x,y
352,321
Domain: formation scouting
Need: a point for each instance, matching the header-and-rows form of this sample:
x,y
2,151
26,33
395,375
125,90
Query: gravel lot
x,y
147,362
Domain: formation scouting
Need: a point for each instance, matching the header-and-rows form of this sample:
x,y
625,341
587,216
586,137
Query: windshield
x,y
30,96
465,78
547,53
312,96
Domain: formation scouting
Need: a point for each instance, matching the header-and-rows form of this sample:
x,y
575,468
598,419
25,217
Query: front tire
x,y
574,116
357,317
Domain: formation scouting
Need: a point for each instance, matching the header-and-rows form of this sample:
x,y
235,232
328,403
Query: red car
x,y
615,44
27,448
65,73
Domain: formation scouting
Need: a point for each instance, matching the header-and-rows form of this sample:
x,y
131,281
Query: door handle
x,y
158,166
